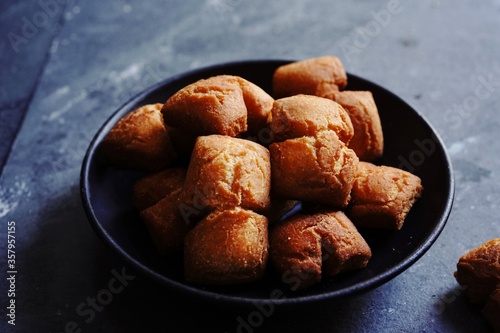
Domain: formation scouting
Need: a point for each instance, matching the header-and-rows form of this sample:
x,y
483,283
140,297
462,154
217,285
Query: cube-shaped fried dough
x,y
382,196
368,139
311,77
225,172
257,102
492,309
305,115
227,247
207,107
223,104
317,169
165,225
479,270
151,188
303,247
139,141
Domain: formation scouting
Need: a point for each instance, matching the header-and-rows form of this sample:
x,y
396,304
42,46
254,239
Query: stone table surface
x,y
66,66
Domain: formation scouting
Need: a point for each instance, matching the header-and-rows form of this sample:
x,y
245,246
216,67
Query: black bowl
x,y
410,143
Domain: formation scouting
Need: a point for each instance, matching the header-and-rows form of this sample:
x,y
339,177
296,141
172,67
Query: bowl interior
x,y
410,143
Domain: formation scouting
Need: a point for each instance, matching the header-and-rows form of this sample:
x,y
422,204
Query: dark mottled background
x,y
67,65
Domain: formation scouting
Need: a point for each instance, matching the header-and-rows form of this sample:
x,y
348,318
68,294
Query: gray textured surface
x,y
91,56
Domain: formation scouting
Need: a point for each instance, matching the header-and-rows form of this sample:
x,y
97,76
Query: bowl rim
x,y
187,289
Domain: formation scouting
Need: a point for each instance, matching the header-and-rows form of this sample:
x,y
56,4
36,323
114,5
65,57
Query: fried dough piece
x,y
151,188
165,225
139,141
311,77
257,101
303,247
305,115
479,270
316,169
382,196
226,172
227,247
223,104
368,139
206,107
492,309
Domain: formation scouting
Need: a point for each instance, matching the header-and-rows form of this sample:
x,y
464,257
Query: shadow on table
x,y
454,304
145,306
61,264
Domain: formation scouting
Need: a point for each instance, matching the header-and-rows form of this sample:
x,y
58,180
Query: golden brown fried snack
x,y
305,115
368,139
208,106
227,247
303,247
151,188
310,77
479,270
382,196
165,226
139,141
257,101
223,104
491,310
225,172
317,169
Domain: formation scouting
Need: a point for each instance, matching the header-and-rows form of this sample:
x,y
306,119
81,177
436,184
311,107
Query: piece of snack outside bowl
x,y
479,271
317,169
306,115
382,196
491,310
139,141
227,247
150,189
226,172
309,77
303,247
